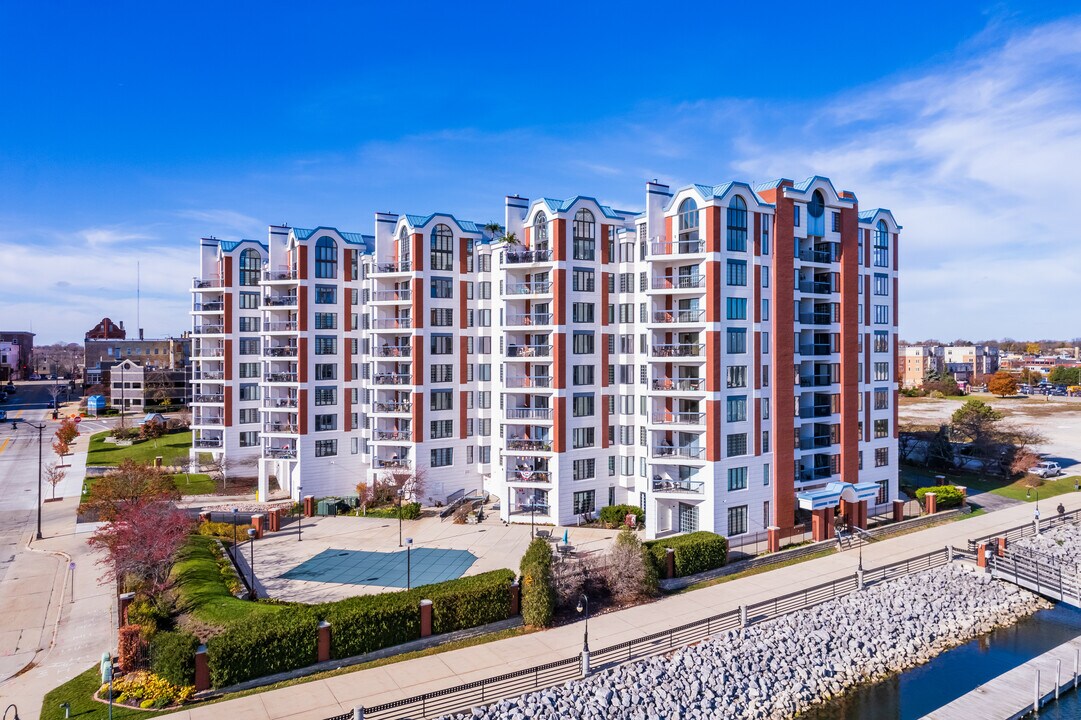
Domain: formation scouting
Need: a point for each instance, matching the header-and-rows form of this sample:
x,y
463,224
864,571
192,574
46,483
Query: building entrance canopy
x,y
834,492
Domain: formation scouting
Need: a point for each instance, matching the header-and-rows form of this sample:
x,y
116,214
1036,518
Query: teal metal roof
x,y
366,242
464,225
868,216
558,206
769,184
231,245
711,192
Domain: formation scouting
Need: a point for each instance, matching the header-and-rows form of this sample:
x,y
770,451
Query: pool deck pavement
x,y
319,699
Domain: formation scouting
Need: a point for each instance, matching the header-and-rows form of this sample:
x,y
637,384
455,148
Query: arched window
x,y
403,247
326,257
585,244
540,232
737,224
817,205
882,245
442,254
250,264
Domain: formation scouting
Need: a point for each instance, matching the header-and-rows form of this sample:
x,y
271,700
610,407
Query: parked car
x,y
1046,469
35,376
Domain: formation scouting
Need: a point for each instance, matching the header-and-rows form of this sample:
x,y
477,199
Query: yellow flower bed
x,y
146,690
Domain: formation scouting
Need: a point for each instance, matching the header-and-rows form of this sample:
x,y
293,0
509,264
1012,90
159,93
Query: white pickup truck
x,y
1046,469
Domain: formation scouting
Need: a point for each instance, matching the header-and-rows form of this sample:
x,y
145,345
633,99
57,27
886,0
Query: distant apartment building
x,y
19,355
107,343
726,358
132,386
965,363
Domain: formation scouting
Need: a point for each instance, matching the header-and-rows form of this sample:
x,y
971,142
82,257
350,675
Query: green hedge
x,y
946,496
173,657
263,646
538,591
410,511
469,601
615,515
224,531
368,623
695,552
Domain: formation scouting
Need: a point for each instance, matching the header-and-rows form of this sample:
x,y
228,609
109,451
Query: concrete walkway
x,y
320,699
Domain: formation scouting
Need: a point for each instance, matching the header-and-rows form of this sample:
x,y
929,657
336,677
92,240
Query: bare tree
x,y
55,390
222,467
410,483
54,475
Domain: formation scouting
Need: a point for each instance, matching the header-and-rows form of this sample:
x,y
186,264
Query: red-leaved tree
x,y
140,545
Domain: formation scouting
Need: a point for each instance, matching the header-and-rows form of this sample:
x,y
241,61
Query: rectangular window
x,y
326,294
582,405
249,346
765,234
584,501
882,428
249,369
582,312
582,437
582,342
737,340
326,396
249,391
882,341
836,227
584,249
882,284
737,376
882,314
737,516
442,457
737,444
582,375
249,324
582,280
736,272
249,301
737,408
442,287
442,317
249,415
485,288
442,429
326,448
326,345
737,478
882,371
326,321
882,398
737,308
795,215
326,371
326,422
882,456
442,400
881,245
442,373
249,438
442,344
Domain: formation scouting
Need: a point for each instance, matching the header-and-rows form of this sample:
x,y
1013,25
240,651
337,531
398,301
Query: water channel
x,y
923,689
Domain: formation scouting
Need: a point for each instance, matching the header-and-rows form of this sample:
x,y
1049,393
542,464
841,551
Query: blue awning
x,y
834,492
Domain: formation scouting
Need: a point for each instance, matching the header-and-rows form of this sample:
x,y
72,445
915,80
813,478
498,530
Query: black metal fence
x,y
1016,533
511,684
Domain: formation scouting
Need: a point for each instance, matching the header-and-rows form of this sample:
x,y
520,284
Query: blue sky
x,y
129,131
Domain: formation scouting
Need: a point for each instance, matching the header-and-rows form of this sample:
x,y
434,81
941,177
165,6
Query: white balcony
x,y
535,287
404,295
392,323
679,418
678,247
392,268
676,317
685,350
526,382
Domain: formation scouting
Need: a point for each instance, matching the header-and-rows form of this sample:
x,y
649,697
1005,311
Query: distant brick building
x,y
18,357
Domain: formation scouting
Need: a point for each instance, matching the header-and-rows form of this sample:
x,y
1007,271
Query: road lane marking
x,y
4,445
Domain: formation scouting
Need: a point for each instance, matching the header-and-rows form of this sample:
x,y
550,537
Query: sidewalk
x,y
323,698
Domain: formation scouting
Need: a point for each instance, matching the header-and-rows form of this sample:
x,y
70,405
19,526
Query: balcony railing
x,y
815,350
208,398
817,441
207,443
818,473
290,274
213,306
392,323
208,329
402,266
280,403
530,445
280,377
681,282
693,384
280,453
527,413
529,476
208,375
400,435
679,418
816,319
516,257
393,379
275,352
393,463
815,380
203,283
288,428
529,350
687,451
393,407
404,295
815,411
679,486
529,318
685,350
678,316
680,247
212,421
394,351
211,352
817,256
529,382
280,326
815,287
536,287
279,300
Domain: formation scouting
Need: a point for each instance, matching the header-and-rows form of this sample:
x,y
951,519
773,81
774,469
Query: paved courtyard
x,y
339,557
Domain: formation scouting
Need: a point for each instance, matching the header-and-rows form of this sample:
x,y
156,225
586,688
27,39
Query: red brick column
x,y
425,618
323,642
822,524
773,538
515,598
123,600
964,494
930,503
861,514
670,563
1001,547
981,555
257,522
898,510
309,505
202,670
273,521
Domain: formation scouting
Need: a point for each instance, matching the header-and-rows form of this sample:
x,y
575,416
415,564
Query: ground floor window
x,y
249,439
584,502
737,520
688,518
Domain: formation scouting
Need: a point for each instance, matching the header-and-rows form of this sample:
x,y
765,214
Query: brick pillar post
x,y
898,510
1001,547
204,517
158,461
669,563
930,503
981,555
202,670
273,521
515,598
123,600
323,642
773,538
309,505
818,525
425,618
861,515
259,525
964,494
831,530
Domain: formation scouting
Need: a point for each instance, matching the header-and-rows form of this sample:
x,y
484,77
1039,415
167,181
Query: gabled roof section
x,y
231,245
770,184
804,187
466,226
868,217
366,242
562,206
718,192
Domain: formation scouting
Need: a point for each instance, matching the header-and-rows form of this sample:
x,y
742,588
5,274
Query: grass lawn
x,y
170,446
78,692
187,484
202,591
921,477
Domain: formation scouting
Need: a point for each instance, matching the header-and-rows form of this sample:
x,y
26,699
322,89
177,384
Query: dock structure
x,y
1014,694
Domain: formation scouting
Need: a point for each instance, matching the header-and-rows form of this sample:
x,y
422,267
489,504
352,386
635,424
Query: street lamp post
x,y
39,429
234,532
408,565
300,515
251,541
401,493
583,606
1036,515
9,707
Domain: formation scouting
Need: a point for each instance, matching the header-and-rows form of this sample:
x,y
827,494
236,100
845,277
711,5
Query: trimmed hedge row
x,y
616,515
173,657
538,593
287,640
946,496
695,552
